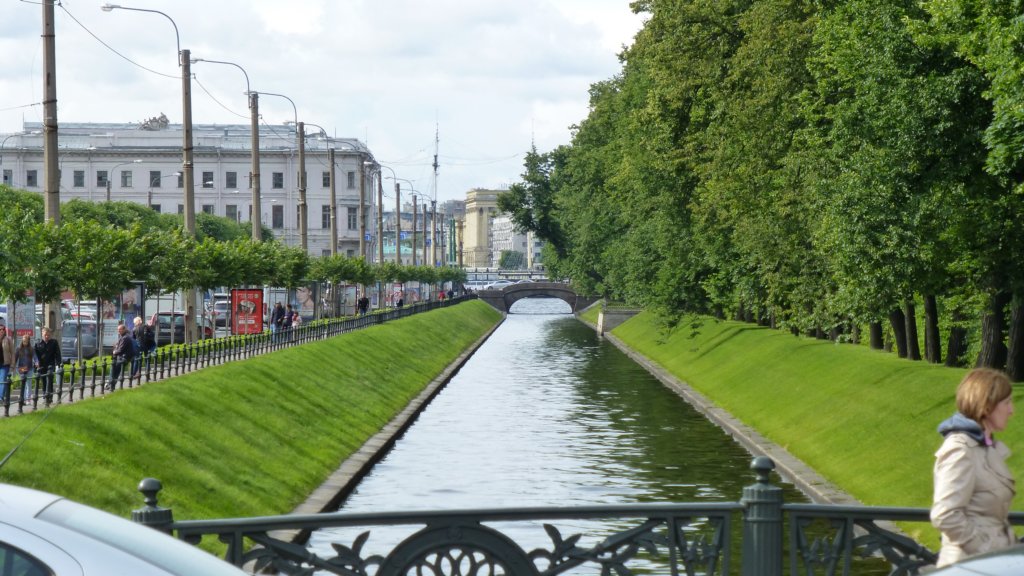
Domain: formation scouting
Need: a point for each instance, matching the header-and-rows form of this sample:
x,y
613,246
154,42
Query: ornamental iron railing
x,y
691,538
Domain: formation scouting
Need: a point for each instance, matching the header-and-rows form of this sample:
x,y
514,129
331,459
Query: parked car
x,y
170,328
42,534
221,313
498,284
165,321
69,335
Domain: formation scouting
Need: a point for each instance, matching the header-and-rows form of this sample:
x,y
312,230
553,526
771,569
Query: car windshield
x,y
157,548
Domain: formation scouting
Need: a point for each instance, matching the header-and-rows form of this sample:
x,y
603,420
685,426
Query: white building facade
x,y
124,162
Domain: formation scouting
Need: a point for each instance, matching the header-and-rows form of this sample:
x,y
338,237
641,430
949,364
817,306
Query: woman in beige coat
x,y
973,486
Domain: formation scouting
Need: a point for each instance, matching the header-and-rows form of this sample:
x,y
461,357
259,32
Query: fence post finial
x,y
762,523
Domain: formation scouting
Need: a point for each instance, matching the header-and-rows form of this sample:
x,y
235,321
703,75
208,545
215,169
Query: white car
x,y
498,284
42,534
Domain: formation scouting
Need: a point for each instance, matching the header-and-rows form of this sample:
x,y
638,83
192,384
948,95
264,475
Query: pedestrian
x,y
363,304
122,353
24,362
6,362
139,336
276,321
973,485
48,359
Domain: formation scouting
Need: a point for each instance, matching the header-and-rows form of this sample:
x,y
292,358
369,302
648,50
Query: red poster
x,y
246,311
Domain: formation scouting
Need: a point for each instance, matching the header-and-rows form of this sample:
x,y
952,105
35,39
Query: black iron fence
x,y
76,381
691,538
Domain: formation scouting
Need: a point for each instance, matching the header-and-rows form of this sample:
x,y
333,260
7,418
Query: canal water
x,y
546,413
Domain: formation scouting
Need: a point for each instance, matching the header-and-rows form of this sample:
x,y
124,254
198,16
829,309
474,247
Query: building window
x,y
8,175
208,208
154,179
181,209
325,216
353,218
351,180
231,180
277,182
327,179
325,253
79,179
31,178
155,207
207,179
126,178
350,253
181,180
101,178
231,212
277,217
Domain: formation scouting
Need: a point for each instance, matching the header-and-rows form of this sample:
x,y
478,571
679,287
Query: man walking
x,y
122,353
48,358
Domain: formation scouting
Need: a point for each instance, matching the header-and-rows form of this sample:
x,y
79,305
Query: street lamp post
x,y
111,174
254,128
152,182
300,137
184,62
398,217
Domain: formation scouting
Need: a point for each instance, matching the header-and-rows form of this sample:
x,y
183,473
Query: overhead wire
x,y
109,47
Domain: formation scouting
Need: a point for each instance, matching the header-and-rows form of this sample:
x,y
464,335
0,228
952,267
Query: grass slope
x,y
863,419
242,439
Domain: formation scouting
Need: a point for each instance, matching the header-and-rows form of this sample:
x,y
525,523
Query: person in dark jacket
x,y
48,358
123,352
277,320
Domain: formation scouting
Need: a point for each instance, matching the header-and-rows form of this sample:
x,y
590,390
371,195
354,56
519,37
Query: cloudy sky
x,y
488,76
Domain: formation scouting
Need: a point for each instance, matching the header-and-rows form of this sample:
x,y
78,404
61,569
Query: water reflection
x,y
548,414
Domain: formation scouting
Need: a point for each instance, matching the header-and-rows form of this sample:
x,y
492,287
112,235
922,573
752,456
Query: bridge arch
x,y
504,298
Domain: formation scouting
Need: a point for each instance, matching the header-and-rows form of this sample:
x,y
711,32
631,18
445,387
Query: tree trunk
x,y
899,330
1015,337
875,339
932,345
910,317
855,332
993,329
956,347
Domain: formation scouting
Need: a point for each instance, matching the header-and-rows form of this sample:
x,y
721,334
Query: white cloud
x,y
488,74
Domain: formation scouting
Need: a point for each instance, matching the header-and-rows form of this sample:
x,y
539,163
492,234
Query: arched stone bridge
x,y
504,298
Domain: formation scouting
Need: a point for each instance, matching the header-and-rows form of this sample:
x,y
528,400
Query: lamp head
x,y
108,7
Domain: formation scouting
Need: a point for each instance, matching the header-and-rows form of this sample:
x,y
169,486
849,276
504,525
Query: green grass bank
x,y
254,437
863,419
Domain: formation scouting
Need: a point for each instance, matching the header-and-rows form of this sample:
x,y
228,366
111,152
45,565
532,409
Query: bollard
x,y
762,523
152,515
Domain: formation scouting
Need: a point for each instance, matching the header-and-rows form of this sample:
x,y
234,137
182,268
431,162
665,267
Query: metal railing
x,y
82,379
690,538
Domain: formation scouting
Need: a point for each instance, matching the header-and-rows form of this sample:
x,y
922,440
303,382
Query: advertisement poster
x,y
246,311
24,317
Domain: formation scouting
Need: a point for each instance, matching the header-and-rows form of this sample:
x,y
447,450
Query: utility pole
x,y
362,212
398,223
380,218
334,204
50,160
425,239
414,205
300,134
254,175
